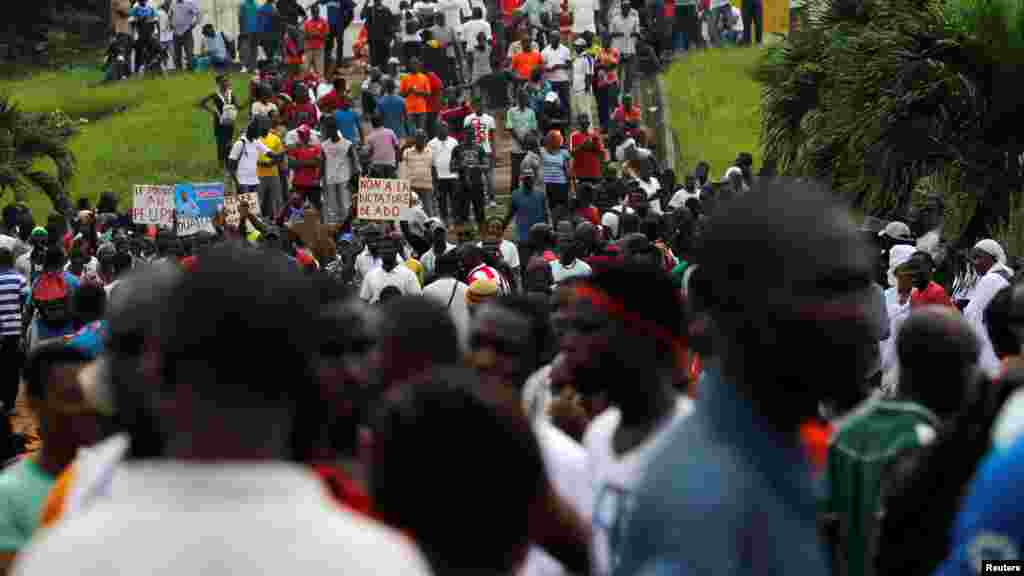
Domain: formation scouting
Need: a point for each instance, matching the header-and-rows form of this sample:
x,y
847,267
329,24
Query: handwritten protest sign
x,y
231,206
196,205
384,199
153,205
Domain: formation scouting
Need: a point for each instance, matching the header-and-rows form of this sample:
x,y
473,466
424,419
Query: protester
x,y
349,123
556,170
480,128
65,424
557,65
306,162
224,113
184,18
383,145
445,180
389,273
201,459
520,121
316,30
470,161
341,171
12,288
416,168
752,419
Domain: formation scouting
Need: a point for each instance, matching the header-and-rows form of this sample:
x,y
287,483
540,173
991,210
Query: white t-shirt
x,y
378,279
247,153
365,262
582,66
453,11
469,31
565,462
440,291
261,109
986,289
577,269
429,260
481,125
216,515
615,478
556,57
583,16
738,26
166,31
627,26
680,198
442,151
509,253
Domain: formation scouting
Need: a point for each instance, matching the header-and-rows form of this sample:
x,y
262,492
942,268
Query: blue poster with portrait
x,y
196,205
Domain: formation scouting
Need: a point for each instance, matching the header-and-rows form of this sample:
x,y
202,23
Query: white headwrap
x,y
993,249
898,255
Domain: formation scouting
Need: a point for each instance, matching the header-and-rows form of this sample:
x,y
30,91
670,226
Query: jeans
x,y
11,361
427,198
338,203
271,195
753,13
446,191
564,96
184,45
467,196
517,160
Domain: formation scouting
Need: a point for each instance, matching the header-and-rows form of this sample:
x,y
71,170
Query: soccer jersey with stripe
x,y
12,289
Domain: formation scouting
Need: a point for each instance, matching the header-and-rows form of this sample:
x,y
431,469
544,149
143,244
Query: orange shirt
x,y
525,62
420,82
53,509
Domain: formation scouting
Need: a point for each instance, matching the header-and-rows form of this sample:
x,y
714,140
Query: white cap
x,y
897,231
900,255
551,97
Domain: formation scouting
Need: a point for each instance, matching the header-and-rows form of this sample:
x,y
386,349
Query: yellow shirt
x,y
272,141
417,268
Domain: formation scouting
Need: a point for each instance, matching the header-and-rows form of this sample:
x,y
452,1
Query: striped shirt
x,y
12,289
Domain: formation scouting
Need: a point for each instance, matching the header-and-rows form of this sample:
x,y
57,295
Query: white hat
x,y
732,170
610,220
992,248
897,231
551,97
900,255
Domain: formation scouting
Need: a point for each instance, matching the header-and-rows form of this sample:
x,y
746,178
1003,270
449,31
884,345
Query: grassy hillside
x,y
715,108
145,131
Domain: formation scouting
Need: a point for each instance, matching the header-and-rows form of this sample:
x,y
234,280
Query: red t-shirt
x,y
316,33
623,115
586,164
436,88
934,294
297,114
332,102
306,176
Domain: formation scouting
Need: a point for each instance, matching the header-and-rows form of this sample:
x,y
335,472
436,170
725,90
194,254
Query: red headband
x,y
616,308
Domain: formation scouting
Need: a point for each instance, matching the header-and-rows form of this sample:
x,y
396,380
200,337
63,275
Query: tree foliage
x,y
28,143
874,96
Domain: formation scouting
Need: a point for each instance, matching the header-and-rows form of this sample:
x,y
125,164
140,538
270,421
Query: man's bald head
x,y
938,353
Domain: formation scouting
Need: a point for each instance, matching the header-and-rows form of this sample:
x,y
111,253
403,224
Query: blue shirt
x,y
726,495
990,525
142,12
556,166
333,8
215,47
266,15
391,107
529,208
249,17
348,124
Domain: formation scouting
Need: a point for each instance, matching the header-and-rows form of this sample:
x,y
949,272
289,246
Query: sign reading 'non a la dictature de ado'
x,y
384,199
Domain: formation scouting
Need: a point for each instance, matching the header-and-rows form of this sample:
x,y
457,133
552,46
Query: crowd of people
x,y
629,380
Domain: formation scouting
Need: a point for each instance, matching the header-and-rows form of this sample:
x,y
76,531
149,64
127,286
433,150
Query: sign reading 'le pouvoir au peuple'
x,y
384,199
153,205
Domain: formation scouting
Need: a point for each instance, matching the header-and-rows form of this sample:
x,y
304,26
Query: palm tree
x,y
27,138
878,96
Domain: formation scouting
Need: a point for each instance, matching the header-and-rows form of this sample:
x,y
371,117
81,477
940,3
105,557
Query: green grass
x,y
715,108
140,131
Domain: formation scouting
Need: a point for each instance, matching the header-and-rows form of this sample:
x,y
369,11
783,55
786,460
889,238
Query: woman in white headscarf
x,y
993,275
897,306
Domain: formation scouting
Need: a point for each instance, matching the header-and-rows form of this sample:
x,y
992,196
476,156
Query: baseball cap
x,y
40,232
896,231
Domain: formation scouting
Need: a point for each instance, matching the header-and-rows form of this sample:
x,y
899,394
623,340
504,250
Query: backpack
x,y
51,297
228,111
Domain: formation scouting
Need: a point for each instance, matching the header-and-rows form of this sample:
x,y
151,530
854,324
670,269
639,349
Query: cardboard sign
x,y
153,205
196,205
384,199
231,206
